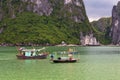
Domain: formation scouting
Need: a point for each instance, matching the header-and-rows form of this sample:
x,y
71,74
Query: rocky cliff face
x,y
102,30
74,9
41,7
115,30
102,24
89,40
12,7
64,18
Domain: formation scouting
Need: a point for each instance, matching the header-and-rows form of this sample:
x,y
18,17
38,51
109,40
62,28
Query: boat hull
x,y
31,57
64,61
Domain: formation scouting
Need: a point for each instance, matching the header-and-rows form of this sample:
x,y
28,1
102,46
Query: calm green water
x,y
96,63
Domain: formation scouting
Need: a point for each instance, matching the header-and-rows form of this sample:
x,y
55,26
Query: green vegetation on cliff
x,y
32,28
102,30
21,26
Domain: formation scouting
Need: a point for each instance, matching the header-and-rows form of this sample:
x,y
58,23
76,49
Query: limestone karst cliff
x,y
102,24
89,40
73,9
42,21
115,30
102,29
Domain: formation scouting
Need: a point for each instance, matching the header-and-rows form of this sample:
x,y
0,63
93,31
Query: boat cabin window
x,y
27,53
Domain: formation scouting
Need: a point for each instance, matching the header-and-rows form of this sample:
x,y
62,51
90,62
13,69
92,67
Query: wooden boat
x,y
66,57
31,54
64,61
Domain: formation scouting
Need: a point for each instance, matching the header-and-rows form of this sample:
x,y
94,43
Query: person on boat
x,y
20,50
70,50
59,58
70,53
52,56
70,56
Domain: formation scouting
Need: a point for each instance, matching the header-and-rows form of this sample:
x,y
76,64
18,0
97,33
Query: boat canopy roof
x,y
33,50
26,50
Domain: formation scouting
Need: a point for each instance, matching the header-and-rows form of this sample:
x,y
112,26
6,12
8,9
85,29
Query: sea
x,y
94,63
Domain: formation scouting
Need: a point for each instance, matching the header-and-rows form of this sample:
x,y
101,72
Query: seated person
x,y
59,58
52,56
70,56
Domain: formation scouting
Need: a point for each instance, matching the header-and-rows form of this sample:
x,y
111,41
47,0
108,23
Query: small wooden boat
x,y
67,57
31,54
65,61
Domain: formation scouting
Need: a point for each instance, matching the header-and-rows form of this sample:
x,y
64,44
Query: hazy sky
x,y
99,8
